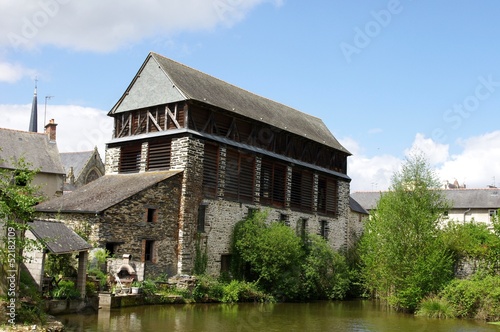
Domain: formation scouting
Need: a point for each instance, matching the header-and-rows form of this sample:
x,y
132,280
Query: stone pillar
x,y
144,157
81,278
112,160
187,154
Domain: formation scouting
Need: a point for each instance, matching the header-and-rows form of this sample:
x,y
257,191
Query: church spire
x,y
34,112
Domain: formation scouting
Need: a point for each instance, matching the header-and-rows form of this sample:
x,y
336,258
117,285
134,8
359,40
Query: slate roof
x,y
77,160
484,198
201,87
104,192
35,148
367,199
58,237
356,207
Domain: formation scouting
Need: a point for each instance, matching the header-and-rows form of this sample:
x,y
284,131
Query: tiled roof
x,y
35,148
104,192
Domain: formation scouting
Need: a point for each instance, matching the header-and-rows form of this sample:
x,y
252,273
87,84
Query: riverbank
x,y
51,325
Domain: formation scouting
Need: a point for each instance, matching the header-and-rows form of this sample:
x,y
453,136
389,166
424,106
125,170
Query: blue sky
x,y
387,77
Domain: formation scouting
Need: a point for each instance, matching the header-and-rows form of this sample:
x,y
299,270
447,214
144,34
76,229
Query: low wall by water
x,y
111,301
62,307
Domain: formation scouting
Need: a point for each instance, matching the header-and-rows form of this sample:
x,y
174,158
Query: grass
x,y
434,307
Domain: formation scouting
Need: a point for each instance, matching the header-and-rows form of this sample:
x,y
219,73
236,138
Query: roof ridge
x,y
24,131
233,85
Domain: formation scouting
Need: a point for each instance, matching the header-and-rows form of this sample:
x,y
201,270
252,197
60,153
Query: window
x,y
151,215
284,219
493,214
327,196
302,228
272,183
148,251
202,210
225,263
323,229
130,158
111,248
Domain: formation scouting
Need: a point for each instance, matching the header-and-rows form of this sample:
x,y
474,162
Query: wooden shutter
x,y
210,170
130,158
302,190
159,153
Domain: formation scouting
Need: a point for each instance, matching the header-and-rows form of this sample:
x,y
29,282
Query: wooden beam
x,y
154,121
172,116
124,125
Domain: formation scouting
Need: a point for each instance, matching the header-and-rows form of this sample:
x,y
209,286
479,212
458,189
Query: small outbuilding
x,y
56,238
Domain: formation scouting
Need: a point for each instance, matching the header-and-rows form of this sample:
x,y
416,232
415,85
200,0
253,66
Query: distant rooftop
x,y
485,198
35,148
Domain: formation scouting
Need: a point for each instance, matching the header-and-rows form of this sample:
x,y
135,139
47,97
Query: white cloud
x,y
13,72
78,128
103,26
436,153
369,173
477,165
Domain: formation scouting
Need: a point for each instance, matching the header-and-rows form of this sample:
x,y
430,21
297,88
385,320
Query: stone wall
x,y
355,227
126,225
221,217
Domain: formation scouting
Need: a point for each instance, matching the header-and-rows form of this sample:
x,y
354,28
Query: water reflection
x,y
319,316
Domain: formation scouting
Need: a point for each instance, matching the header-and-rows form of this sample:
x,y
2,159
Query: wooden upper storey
x,y
167,97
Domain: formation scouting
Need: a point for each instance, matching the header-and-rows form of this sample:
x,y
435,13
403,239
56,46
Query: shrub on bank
x,y
478,297
209,289
436,307
285,265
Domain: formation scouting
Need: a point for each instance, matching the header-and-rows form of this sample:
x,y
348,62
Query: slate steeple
x,y
34,113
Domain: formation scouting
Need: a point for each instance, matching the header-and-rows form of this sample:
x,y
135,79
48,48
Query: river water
x,y
318,316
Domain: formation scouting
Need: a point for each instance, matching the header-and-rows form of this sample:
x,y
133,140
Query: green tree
x,y
402,253
17,200
271,254
325,272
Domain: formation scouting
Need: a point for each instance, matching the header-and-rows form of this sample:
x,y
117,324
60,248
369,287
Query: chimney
x,y
50,130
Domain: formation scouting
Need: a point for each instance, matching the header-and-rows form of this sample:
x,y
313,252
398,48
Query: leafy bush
x,y
63,264
473,240
478,297
90,289
325,272
32,307
208,289
66,290
285,265
273,254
